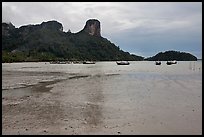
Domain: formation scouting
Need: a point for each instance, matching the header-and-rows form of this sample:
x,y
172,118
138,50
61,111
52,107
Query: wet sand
x,y
123,101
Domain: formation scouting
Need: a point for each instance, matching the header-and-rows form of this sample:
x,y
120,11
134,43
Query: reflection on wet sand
x,y
39,98
94,105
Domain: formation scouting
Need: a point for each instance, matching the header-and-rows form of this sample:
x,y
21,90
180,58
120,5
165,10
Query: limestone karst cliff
x,y
92,27
47,41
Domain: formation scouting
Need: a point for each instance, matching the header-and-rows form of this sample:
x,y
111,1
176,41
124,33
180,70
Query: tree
x,y
69,31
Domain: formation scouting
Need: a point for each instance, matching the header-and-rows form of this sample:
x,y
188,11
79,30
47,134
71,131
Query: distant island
x,y
48,42
172,55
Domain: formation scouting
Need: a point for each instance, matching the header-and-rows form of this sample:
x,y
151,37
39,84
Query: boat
x,y
158,62
174,62
122,63
88,62
168,62
171,62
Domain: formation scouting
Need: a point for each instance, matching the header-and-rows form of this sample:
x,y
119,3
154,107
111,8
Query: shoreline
x,y
102,99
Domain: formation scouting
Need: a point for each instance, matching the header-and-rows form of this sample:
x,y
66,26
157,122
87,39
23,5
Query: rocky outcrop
x,y
53,25
49,25
47,41
92,27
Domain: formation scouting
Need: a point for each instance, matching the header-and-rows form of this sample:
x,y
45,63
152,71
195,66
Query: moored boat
x,y
171,62
174,62
122,63
158,62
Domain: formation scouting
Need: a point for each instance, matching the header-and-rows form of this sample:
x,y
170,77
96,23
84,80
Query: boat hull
x,y
157,63
122,63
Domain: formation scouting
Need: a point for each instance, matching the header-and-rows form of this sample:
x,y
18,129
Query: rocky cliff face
x,y
47,41
53,25
92,27
24,31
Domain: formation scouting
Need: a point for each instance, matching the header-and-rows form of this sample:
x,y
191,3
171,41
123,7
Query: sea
x,y
140,98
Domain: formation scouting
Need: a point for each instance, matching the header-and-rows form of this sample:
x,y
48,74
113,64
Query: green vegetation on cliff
x,y
47,42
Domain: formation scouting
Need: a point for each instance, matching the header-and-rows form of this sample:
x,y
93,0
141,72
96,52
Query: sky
x,y
140,28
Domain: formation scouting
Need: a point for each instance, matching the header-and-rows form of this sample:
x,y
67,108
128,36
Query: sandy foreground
x,y
98,100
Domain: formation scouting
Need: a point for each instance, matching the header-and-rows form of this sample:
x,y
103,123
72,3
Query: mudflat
x,y
102,98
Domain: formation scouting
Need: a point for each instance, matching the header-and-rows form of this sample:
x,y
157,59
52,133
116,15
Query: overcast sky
x,y
142,28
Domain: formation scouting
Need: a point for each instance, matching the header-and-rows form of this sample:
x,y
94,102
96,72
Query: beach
x,y
39,98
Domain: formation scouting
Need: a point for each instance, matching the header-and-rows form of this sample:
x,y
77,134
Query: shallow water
x,y
102,98
30,73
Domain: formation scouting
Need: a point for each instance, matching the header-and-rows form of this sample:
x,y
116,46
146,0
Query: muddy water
x,y
102,98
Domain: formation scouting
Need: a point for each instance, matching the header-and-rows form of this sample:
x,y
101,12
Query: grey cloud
x,y
130,25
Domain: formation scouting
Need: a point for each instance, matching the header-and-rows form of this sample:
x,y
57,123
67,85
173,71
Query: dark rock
x,y
92,27
53,25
